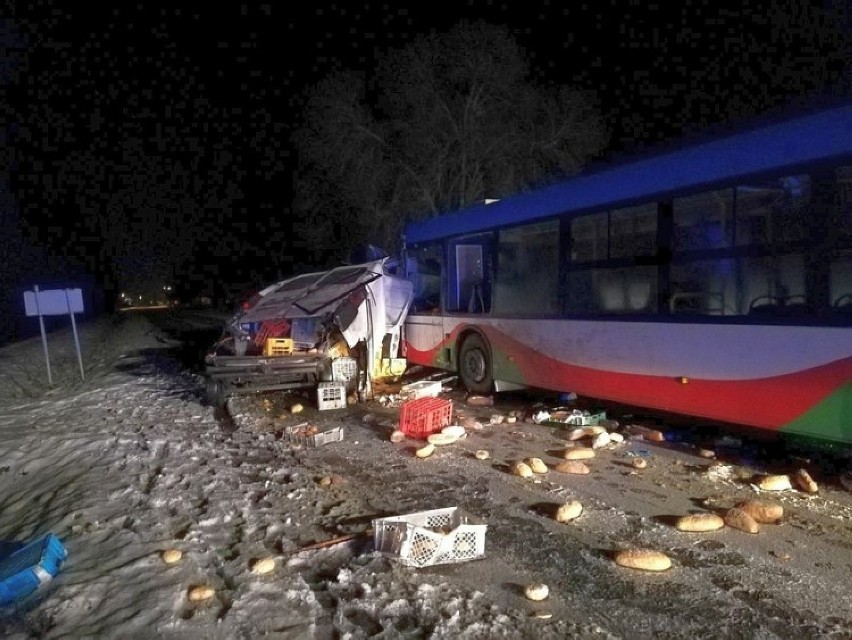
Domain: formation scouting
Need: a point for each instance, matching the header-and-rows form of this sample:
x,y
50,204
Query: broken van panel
x,y
289,334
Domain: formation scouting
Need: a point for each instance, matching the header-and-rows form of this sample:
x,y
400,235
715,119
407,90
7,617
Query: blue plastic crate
x,y
28,568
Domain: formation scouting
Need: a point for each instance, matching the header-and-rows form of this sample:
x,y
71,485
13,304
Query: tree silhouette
x,y
444,122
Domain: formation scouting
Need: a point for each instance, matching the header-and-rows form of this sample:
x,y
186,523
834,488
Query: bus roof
x,y
783,145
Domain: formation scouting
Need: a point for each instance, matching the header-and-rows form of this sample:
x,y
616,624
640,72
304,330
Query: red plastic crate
x,y
422,417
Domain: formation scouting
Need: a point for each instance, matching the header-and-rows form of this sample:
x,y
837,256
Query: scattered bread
x,y
775,483
397,436
572,466
738,519
536,592
804,481
297,408
646,559
536,464
441,438
200,593
425,451
262,565
706,453
171,556
762,511
568,511
616,438
601,440
580,453
639,463
522,469
699,522
482,454
576,434
594,430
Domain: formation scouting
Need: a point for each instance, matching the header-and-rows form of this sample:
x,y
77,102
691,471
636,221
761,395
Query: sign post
x,y
55,302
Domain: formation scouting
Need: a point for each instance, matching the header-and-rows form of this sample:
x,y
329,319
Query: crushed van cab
x,y
338,325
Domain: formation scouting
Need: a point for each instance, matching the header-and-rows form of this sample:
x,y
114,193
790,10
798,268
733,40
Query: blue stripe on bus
x,y
781,147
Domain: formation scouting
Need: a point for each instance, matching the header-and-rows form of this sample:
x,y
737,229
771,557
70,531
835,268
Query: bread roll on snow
x,y
739,519
762,511
536,592
263,565
425,451
699,522
522,469
198,594
645,559
775,483
804,481
536,464
579,453
568,511
572,466
171,556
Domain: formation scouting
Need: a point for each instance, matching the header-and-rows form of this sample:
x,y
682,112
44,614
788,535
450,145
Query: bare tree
x,y
444,122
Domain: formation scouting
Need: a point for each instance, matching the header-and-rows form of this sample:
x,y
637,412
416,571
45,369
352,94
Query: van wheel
x,y
216,393
475,365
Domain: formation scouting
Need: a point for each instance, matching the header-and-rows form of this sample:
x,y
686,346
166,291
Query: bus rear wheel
x,y
475,365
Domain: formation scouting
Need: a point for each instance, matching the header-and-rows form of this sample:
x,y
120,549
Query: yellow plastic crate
x,y
278,347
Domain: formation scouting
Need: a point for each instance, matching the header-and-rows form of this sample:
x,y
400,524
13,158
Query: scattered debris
x,y
639,463
482,454
439,536
420,389
397,436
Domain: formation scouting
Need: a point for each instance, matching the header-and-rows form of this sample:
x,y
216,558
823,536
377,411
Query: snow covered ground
x,y
132,462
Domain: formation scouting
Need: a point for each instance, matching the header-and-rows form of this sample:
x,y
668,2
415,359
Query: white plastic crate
x,y
420,389
302,434
345,370
439,536
331,395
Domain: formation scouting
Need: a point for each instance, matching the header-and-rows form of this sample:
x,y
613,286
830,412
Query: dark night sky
x,y
213,86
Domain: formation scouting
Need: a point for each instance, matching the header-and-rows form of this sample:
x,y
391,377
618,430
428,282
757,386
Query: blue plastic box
x,y
28,568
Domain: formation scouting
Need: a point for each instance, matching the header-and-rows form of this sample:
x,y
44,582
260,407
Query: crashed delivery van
x,y
339,325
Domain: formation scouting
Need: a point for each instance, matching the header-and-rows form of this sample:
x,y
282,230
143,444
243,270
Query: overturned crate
x,y
25,570
422,417
439,536
308,436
